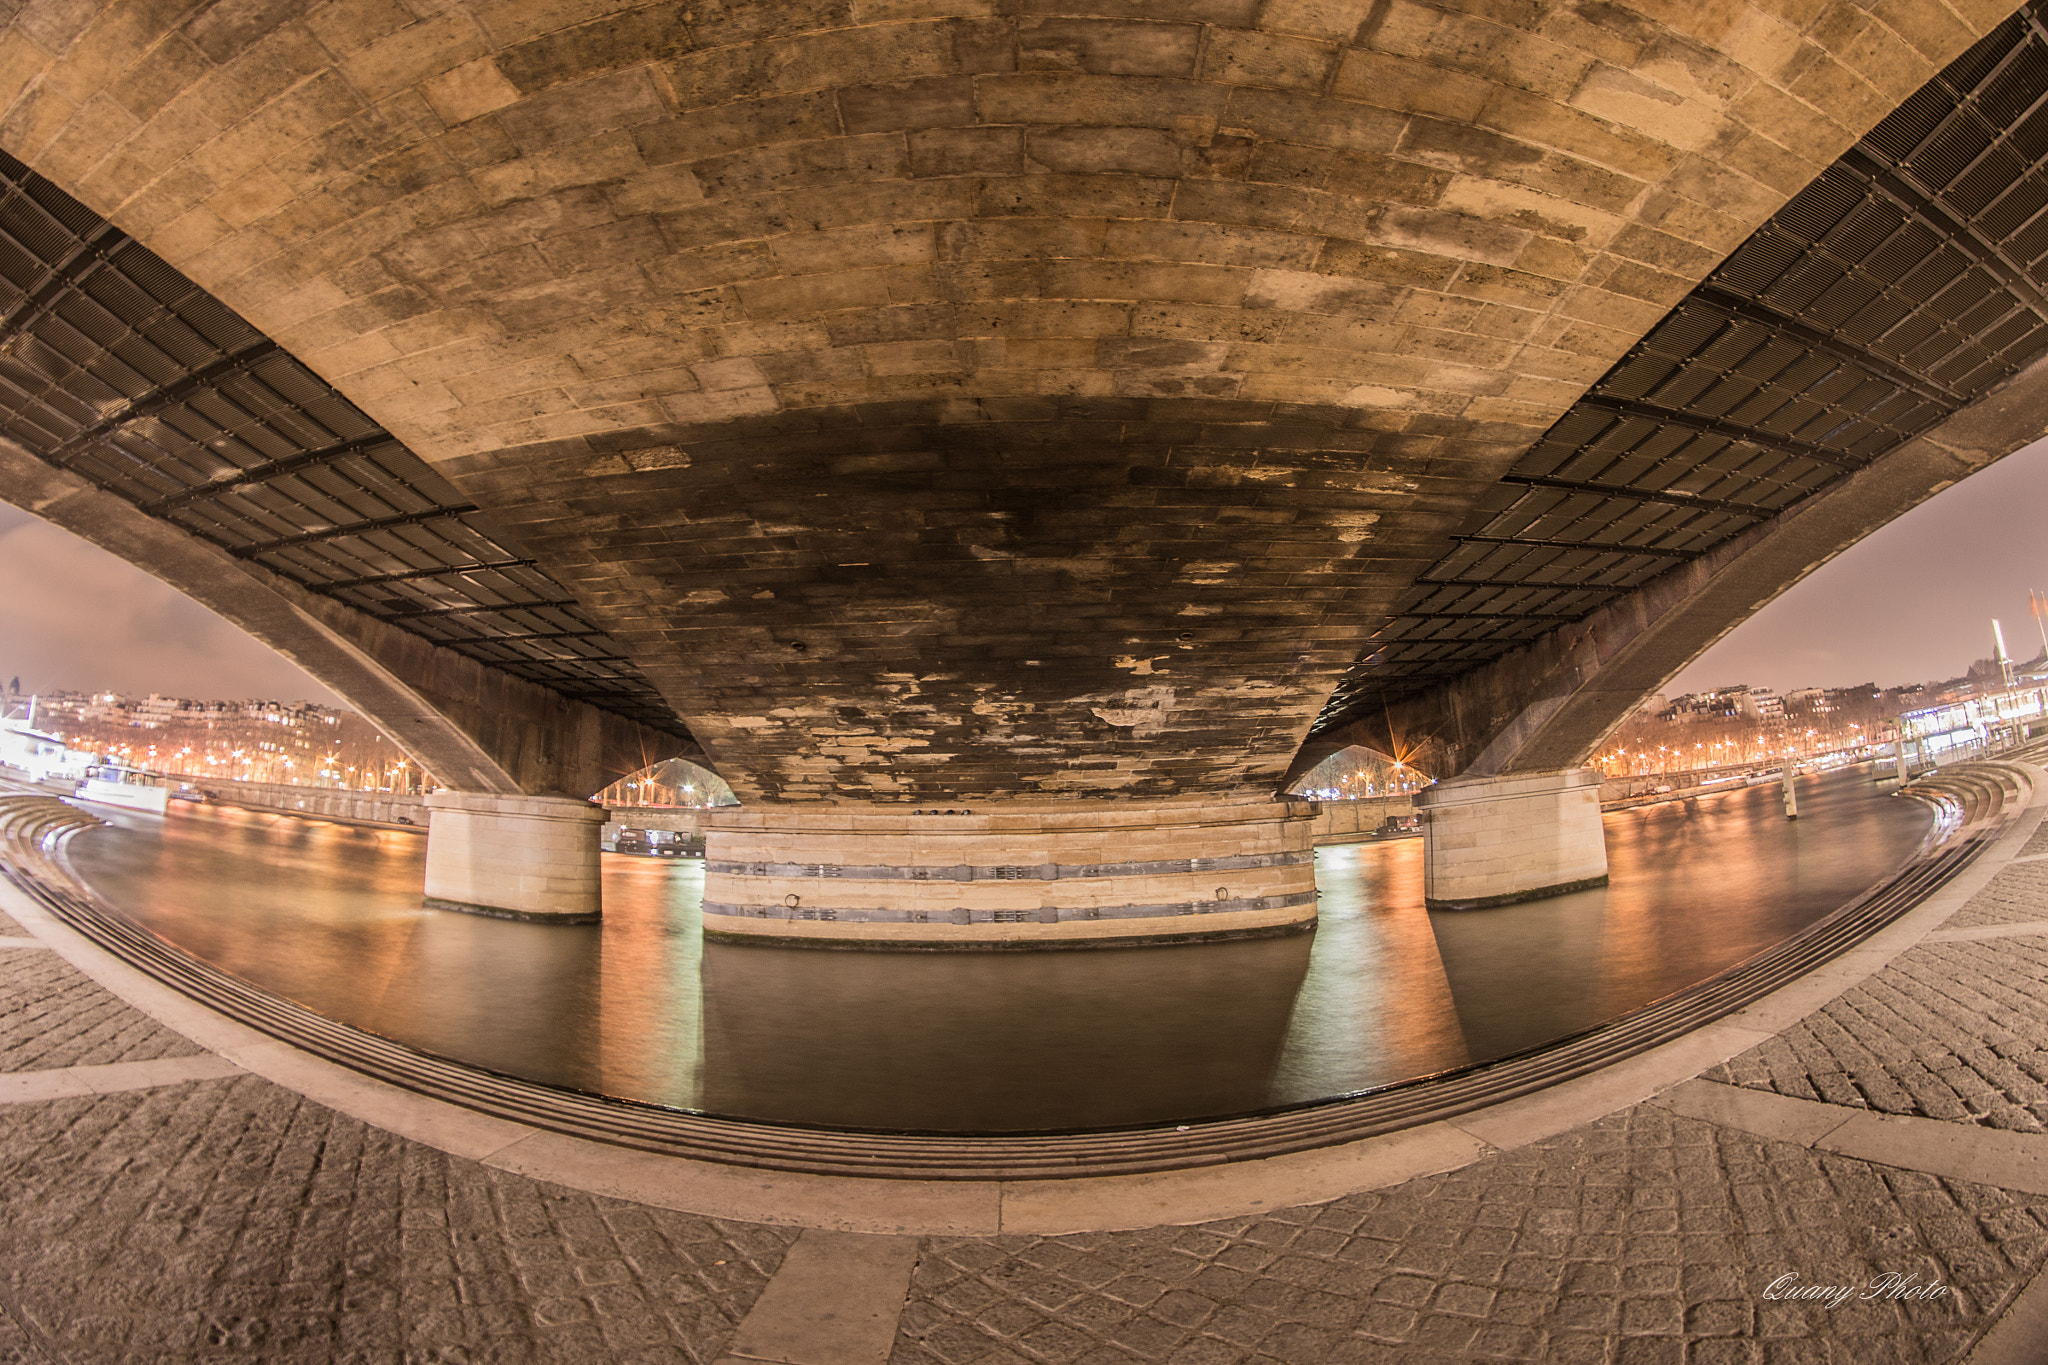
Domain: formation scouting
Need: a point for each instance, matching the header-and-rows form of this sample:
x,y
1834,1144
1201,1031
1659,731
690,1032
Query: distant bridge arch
x,y
1357,772
671,782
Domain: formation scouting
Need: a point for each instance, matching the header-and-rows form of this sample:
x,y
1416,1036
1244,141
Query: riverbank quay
x,y
175,1186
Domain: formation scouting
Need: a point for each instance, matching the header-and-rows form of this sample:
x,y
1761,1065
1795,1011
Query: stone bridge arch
x,y
982,413
474,727
1550,705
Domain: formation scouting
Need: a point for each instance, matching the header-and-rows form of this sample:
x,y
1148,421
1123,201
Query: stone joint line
x,y
2015,929
1959,1151
1043,872
73,1082
1049,914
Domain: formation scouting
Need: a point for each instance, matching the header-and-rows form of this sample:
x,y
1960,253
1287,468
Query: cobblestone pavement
x,y
235,1222
2019,893
1955,1031
1641,1238
53,1015
10,929
15,1347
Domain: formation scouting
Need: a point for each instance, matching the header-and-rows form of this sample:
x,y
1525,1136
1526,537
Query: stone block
x,y
804,253
937,102
1579,134
469,91
889,11
426,48
1386,81
170,67
1337,20
646,33
572,113
1145,280
1394,265
1268,59
1108,47
1053,195
700,133
966,151
812,61
809,294
592,161
804,165
1313,120
1111,101
1088,151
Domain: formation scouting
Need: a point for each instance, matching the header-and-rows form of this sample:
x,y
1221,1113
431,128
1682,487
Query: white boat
x,y
110,784
41,756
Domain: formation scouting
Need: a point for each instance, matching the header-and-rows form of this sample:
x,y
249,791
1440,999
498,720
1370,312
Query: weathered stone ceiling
x,y
1899,288
958,397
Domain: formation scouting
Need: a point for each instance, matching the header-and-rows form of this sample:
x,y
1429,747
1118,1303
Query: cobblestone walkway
x,y
10,929
2018,894
52,1015
234,1222
1955,1031
1642,1238
15,1348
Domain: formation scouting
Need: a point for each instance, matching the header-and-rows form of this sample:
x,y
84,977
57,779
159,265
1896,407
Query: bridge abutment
x,y
1496,840
999,876
514,857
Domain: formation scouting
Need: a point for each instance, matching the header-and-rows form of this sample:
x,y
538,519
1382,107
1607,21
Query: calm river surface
x,y
641,1006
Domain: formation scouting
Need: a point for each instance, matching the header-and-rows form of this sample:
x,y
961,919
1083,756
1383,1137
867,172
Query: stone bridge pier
x,y
1495,840
1010,875
514,857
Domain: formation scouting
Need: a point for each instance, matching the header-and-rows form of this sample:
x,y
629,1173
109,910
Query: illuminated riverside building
x,y
300,743
1974,723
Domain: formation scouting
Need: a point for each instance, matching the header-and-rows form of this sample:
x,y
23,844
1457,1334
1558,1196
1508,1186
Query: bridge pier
x,y
1496,840
514,857
974,875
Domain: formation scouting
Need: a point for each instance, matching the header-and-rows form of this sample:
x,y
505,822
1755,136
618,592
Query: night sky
x,y
1911,603
74,616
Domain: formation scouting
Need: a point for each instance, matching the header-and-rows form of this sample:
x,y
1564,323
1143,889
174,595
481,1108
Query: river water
x,y
640,1006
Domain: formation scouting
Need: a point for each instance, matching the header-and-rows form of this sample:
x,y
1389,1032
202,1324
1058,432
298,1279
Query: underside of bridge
x,y
1010,437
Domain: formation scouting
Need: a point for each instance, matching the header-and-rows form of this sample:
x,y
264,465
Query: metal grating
x,y
1909,279
119,369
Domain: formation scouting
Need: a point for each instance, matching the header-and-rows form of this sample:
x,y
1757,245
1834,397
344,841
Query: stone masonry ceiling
x,y
1021,399
1910,278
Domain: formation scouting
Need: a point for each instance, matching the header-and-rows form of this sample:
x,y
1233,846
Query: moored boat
x,y
110,784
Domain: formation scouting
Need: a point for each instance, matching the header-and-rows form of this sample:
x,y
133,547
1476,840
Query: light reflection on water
x,y
329,915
